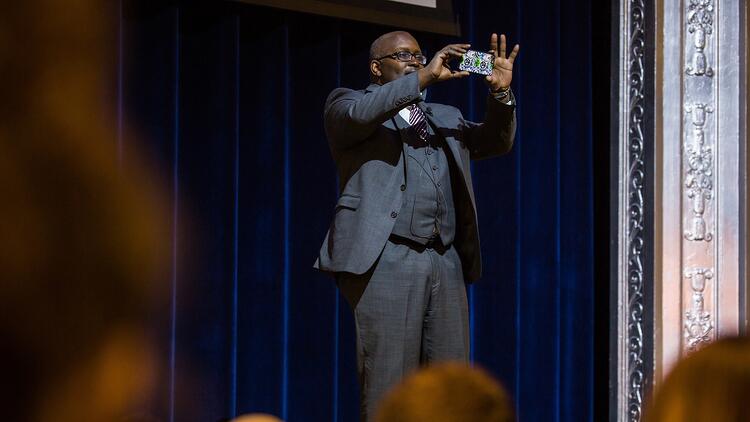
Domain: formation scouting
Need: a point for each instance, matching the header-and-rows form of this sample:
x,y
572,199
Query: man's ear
x,y
375,68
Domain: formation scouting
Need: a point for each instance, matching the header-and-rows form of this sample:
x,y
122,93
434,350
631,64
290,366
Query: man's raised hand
x,y
437,69
502,72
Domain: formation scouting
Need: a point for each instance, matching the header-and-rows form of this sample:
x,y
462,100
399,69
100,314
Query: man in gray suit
x,y
404,238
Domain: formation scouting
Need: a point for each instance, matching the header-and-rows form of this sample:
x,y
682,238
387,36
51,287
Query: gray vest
x,y
427,211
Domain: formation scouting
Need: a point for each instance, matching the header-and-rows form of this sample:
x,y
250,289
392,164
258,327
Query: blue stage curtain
x,y
227,98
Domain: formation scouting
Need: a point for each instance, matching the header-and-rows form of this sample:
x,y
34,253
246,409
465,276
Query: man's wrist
x,y
499,90
503,95
426,78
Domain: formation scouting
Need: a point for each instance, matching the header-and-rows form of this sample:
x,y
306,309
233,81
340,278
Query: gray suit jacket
x,y
367,144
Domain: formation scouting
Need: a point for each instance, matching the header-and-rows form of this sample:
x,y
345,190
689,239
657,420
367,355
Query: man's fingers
x,y
514,53
493,43
502,46
453,52
459,50
456,47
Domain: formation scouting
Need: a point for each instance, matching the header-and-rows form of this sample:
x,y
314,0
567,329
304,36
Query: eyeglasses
x,y
406,56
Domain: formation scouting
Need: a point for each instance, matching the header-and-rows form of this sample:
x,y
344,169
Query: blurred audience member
x,y
256,417
81,249
712,384
447,392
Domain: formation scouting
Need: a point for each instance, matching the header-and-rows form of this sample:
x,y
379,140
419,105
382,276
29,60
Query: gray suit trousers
x,y
410,309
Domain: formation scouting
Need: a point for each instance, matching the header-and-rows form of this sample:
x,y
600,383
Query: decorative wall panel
x,y
696,227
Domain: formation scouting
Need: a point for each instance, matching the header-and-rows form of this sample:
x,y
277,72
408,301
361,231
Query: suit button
x,y
434,167
393,214
403,188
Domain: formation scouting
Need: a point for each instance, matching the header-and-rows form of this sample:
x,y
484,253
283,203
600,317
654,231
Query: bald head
x,y
386,43
384,69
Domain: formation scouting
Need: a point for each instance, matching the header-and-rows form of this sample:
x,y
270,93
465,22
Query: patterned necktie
x,y
418,121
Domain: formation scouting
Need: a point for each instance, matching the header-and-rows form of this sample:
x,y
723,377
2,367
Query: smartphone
x,y
477,62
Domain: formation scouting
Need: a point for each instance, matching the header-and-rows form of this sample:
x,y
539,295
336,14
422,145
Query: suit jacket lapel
x,y
442,129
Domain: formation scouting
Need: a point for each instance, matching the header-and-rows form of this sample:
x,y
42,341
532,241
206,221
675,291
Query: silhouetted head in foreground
x,y
447,392
712,384
256,417
81,249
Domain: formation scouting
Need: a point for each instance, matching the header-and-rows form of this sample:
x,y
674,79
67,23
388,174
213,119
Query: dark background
x,y
227,99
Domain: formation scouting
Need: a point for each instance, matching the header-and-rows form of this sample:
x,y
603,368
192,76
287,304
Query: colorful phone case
x,y
477,62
